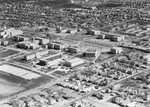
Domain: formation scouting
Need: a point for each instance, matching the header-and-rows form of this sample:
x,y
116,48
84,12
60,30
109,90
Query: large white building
x,y
74,62
51,60
20,38
38,54
42,41
10,32
55,45
27,45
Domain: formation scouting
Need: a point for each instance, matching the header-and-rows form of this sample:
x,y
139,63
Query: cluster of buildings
x,y
130,95
51,59
71,18
111,36
45,98
38,54
118,64
138,31
10,33
27,45
82,104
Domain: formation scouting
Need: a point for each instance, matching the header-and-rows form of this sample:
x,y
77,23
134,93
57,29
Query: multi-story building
x,y
55,45
116,50
91,52
29,56
42,41
27,45
73,49
20,38
51,60
37,54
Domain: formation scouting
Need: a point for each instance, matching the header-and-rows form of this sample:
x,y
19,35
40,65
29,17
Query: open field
x,y
7,53
11,84
19,72
7,88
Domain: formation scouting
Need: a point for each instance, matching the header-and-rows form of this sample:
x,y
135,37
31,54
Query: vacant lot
x,y
7,53
7,88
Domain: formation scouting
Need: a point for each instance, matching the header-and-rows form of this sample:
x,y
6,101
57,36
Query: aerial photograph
x,y
74,53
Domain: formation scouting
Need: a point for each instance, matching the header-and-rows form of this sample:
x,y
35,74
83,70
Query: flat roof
x,y
74,60
117,48
47,58
73,47
113,34
91,49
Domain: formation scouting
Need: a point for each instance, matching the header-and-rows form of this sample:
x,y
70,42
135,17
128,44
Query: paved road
x,y
37,89
89,94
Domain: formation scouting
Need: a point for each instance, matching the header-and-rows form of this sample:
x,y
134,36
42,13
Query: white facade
x,y
116,50
42,40
10,32
74,62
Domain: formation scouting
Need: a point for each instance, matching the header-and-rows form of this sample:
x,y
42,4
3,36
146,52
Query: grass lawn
x,y
7,53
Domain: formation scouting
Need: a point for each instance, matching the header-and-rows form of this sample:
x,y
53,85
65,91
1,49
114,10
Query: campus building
x,y
116,50
42,41
55,45
91,52
38,54
74,62
51,60
73,49
10,32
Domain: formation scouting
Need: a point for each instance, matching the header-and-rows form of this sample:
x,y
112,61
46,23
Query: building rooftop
x,y
74,60
73,46
49,58
91,49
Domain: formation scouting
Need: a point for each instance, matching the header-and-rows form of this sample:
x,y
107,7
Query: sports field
x,y
20,72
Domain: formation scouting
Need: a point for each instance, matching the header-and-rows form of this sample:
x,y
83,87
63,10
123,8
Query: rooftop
x,y
91,49
74,60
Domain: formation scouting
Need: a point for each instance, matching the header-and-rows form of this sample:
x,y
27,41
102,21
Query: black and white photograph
x,y
74,53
